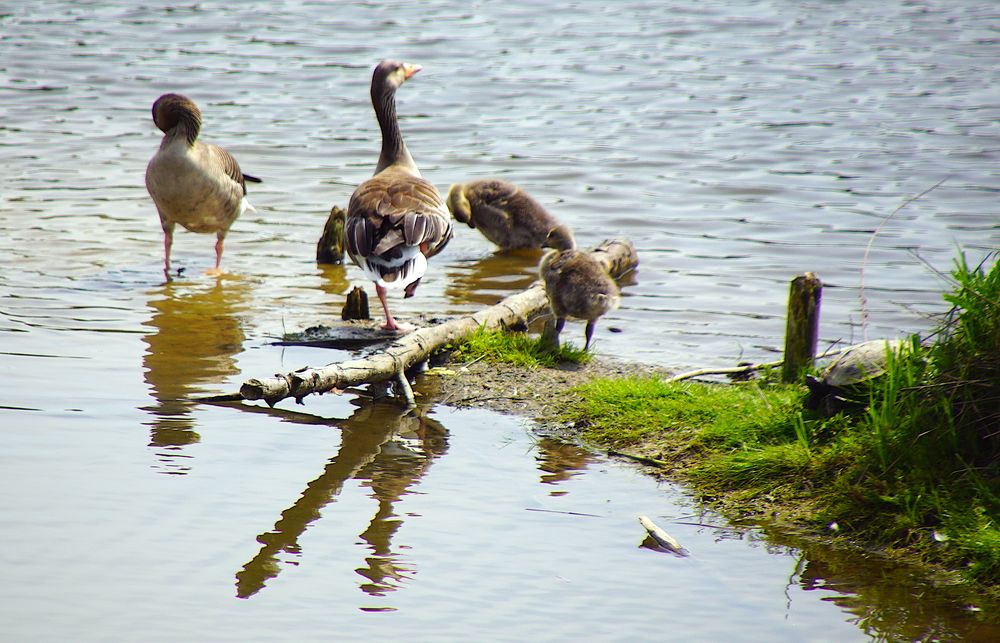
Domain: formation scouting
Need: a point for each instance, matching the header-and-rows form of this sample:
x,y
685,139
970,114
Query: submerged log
x,y
617,256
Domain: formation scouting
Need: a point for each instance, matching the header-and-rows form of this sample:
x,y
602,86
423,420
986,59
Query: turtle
x,y
844,382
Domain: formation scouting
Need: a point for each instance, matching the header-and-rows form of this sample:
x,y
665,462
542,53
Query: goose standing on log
x,y
396,219
195,184
506,215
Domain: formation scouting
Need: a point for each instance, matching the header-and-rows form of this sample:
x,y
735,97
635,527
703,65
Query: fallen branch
x,y
617,256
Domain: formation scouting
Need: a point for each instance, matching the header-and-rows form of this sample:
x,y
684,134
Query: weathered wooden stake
x,y
356,306
802,325
330,247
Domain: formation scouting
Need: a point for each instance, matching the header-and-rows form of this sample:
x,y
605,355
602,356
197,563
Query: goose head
x,y
171,110
392,74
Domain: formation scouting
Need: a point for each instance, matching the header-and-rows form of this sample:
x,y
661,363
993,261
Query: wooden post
x,y
330,247
356,306
802,325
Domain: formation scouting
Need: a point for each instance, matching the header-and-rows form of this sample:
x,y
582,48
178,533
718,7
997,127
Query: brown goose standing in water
x,y
577,286
195,184
505,214
396,219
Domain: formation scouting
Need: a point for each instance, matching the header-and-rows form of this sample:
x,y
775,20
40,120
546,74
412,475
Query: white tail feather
x,y
408,268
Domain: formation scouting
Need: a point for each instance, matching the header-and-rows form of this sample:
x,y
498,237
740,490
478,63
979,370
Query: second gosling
x,y
577,286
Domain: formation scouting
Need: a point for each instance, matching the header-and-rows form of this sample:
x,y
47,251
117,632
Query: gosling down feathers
x,y
193,183
396,220
577,286
505,214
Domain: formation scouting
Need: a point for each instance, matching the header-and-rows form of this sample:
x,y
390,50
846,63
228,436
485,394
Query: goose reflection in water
x,y
389,450
196,336
488,280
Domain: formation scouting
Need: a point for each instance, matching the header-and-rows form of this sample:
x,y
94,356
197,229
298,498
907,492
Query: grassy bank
x,y
914,471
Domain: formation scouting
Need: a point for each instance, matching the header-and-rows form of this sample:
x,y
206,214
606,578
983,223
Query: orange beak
x,y
409,70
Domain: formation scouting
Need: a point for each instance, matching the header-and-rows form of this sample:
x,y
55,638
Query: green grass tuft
x,y
517,348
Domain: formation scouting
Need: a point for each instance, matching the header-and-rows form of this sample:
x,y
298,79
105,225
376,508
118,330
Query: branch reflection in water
x,y
197,334
384,446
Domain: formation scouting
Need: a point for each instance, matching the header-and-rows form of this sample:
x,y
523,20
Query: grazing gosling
x,y
576,284
505,214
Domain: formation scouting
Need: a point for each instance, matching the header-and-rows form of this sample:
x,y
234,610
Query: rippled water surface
x,y
737,144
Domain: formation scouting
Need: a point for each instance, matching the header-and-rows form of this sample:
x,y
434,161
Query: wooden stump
x,y
802,325
356,306
330,247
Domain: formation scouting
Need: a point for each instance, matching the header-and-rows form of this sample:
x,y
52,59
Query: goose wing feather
x,y
227,163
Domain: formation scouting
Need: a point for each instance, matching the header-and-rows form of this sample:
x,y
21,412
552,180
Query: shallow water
x,y
737,144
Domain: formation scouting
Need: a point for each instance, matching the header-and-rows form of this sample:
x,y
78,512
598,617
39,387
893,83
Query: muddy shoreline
x,y
535,393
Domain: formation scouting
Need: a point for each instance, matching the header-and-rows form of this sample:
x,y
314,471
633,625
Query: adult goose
x,y
396,220
193,183
505,214
577,286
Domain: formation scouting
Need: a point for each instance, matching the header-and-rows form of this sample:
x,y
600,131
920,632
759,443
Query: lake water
x,y
736,143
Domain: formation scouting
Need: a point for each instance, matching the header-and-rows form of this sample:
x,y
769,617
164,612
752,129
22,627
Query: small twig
x,y
706,525
404,385
868,248
741,370
638,458
466,366
225,397
568,513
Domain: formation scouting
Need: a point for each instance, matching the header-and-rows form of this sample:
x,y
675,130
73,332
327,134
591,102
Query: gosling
x,y
577,286
505,214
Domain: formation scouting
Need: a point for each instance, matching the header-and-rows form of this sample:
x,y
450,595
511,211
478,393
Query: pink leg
x,y
218,251
390,323
168,240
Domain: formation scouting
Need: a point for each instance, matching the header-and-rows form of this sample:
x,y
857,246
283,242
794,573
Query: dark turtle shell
x,y
860,362
847,373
